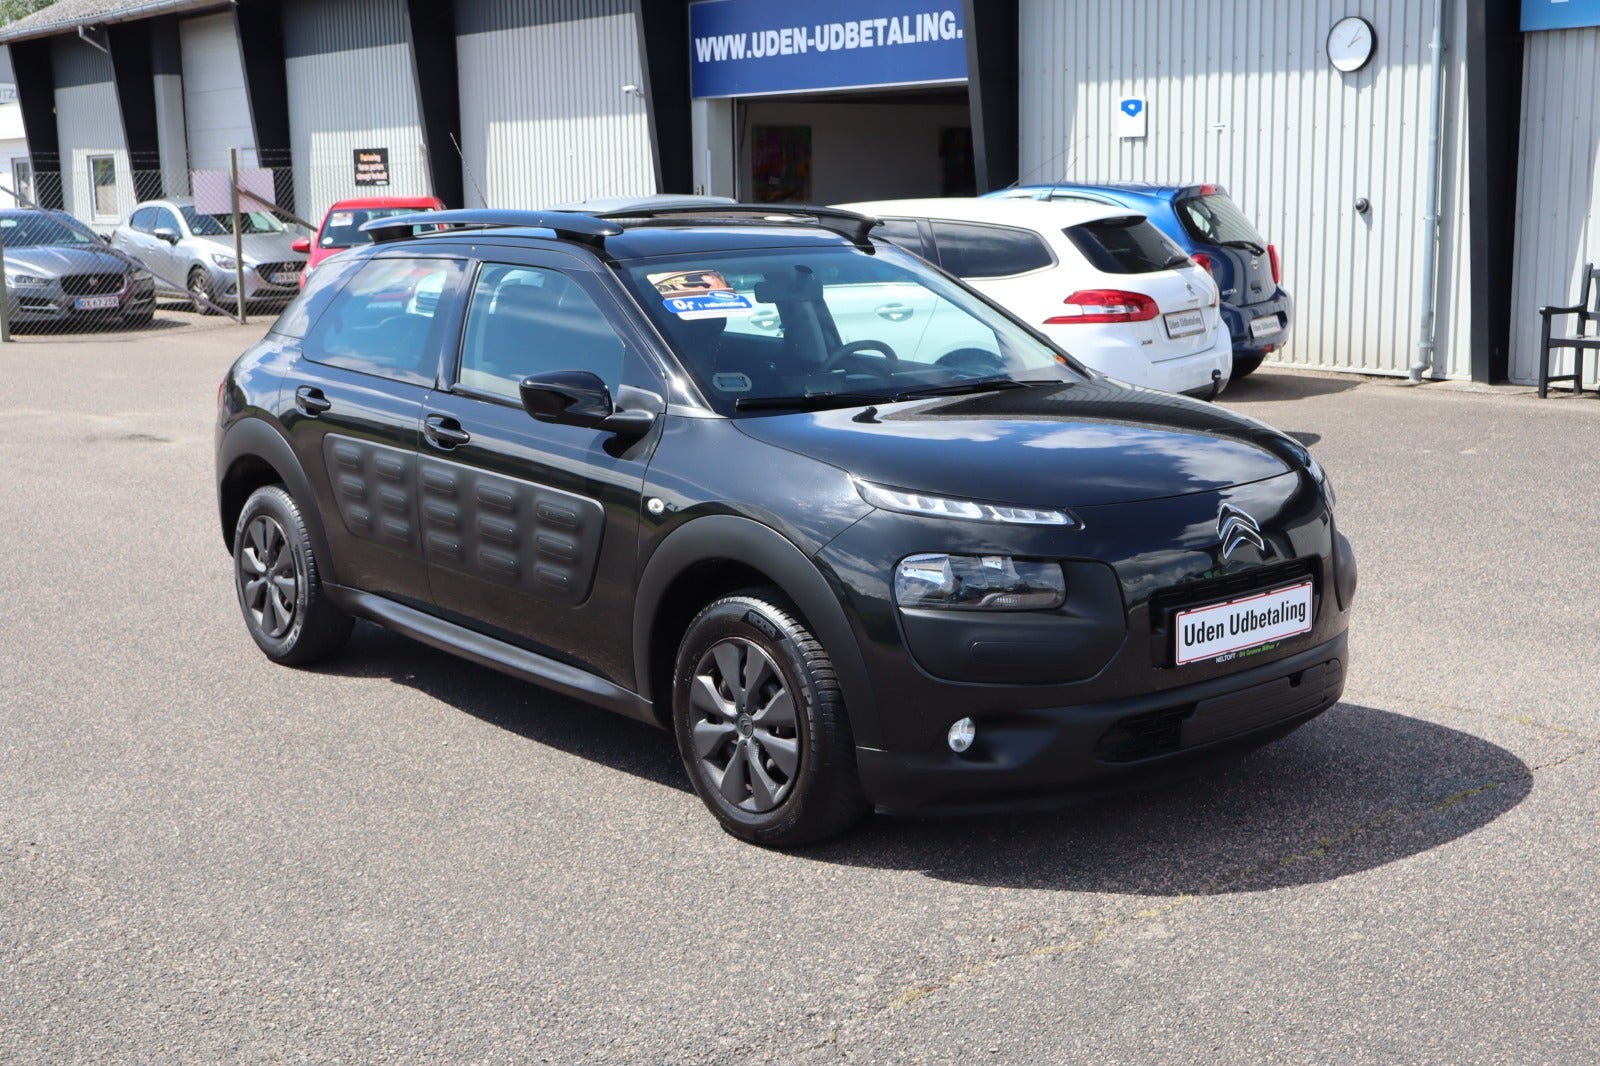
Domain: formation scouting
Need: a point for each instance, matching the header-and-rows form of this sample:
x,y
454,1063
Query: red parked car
x,y
341,226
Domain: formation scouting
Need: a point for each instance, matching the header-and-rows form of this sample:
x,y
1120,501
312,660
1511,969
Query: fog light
x,y
961,735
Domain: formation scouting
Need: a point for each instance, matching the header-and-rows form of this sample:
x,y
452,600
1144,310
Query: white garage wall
x,y
1240,92
89,123
216,107
543,115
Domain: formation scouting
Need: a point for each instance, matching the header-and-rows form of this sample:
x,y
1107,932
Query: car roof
x,y
1154,190
358,202
1041,214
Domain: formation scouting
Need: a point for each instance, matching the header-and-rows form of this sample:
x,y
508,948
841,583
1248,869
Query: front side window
x,y
532,320
383,321
757,328
103,185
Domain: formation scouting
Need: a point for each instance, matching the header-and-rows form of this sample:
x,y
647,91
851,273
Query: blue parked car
x,y
1206,223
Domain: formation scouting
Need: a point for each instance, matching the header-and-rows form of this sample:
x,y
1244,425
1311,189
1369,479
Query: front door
x,y
531,529
352,404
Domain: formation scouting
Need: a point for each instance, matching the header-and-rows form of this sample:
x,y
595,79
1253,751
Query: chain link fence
x,y
123,247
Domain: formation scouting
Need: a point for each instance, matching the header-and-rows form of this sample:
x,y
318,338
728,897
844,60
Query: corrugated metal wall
x,y
543,115
1240,92
89,124
351,85
1558,203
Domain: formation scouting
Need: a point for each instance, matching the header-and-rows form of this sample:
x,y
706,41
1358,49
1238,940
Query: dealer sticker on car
x,y
1263,325
1185,323
1223,628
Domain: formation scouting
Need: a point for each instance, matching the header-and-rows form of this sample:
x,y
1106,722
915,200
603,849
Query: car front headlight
x,y
979,583
920,503
226,262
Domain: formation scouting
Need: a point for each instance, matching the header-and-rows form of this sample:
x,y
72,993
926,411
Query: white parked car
x,y
1099,280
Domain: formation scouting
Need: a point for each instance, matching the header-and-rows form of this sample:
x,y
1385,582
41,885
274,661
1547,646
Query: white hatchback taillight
x,y
1105,305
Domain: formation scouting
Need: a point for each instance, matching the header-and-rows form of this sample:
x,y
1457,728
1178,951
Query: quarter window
x,y
383,322
103,185
533,320
968,250
902,232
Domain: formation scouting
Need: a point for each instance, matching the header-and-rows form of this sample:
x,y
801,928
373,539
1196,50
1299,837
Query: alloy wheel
x,y
268,577
744,725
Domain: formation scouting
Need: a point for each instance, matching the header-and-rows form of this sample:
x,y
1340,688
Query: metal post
x,y
5,300
238,231
1430,222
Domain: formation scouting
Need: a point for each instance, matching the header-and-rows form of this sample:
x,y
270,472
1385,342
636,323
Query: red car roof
x,y
386,201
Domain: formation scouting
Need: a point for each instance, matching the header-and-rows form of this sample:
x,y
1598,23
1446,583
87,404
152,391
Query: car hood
x,y
258,247
54,260
1074,445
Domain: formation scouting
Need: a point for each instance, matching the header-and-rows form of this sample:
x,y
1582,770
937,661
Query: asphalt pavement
x,y
401,857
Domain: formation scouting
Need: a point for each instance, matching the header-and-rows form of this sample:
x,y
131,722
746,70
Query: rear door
x,y
531,529
352,407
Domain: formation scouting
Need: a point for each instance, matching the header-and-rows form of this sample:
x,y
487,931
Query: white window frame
x,y
22,180
94,189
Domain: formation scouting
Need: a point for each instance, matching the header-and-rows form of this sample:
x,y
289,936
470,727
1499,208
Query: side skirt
x,y
495,654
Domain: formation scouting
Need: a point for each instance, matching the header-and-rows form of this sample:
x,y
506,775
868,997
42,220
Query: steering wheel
x,y
972,359
839,354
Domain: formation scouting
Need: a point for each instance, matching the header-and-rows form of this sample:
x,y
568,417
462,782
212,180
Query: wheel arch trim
x,y
253,438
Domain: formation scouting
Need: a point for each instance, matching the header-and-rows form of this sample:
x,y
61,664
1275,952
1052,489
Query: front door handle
x,y
309,399
444,432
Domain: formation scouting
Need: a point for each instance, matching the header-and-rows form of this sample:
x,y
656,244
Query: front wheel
x,y
202,291
761,723
279,584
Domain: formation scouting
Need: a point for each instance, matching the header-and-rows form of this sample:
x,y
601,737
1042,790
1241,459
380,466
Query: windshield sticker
x,y
692,294
731,382
343,218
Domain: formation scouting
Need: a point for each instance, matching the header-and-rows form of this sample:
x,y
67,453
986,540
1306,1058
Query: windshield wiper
x,y
1177,261
1255,248
809,401
957,388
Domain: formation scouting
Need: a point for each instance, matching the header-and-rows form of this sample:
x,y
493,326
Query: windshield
x,y
222,225
806,328
343,228
36,229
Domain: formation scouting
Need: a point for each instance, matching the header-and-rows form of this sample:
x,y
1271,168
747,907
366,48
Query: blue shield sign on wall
x,y
758,48
1559,14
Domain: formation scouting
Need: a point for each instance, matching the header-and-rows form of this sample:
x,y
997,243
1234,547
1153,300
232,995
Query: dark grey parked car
x,y
57,272
183,246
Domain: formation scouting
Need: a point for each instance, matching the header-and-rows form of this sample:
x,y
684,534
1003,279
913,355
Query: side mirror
x,y
301,246
580,398
168,235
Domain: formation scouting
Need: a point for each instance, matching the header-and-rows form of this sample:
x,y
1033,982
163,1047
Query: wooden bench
x,y
1588,310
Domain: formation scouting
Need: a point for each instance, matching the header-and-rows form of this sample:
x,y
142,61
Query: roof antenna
x,y
468,168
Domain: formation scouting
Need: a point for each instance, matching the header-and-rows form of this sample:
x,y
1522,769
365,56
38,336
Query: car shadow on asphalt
x,y
1276,386
1355,789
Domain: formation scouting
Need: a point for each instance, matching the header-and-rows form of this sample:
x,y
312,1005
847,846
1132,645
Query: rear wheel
x,y
761,723
279,583
1245,364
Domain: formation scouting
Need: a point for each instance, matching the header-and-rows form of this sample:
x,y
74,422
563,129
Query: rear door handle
x,y
894,312
309,399
444,432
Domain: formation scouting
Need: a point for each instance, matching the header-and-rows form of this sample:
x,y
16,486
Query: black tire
x,y
819,793
200,290
293,624
1245,365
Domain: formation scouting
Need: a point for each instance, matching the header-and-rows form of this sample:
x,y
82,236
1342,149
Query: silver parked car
x,y
60,272
181,245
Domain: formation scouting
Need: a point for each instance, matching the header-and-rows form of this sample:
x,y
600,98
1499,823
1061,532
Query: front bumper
x,y
34,304
225,284
1048,757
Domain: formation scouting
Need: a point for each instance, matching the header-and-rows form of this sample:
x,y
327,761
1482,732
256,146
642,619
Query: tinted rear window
x,y
968,250
1216,219
1125,246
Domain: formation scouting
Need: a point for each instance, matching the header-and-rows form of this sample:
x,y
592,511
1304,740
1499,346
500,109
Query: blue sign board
x,y
1559,14
760,47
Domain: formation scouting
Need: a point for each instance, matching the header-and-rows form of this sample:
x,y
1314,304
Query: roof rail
x,y
584,228
848,224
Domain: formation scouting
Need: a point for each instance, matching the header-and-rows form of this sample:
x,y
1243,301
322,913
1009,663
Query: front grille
x,y
266,270
91,284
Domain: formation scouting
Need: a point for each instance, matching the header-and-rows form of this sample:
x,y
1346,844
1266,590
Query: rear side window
x,y
143,219
382,321
1125,246
969,250
903,233
1216,219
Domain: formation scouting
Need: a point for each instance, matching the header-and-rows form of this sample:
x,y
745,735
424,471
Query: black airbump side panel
x,y
376,487
541,541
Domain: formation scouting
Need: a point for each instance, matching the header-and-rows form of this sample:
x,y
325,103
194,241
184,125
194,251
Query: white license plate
x,y
1185,323
1238,625
96,303
1260,327
285,277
